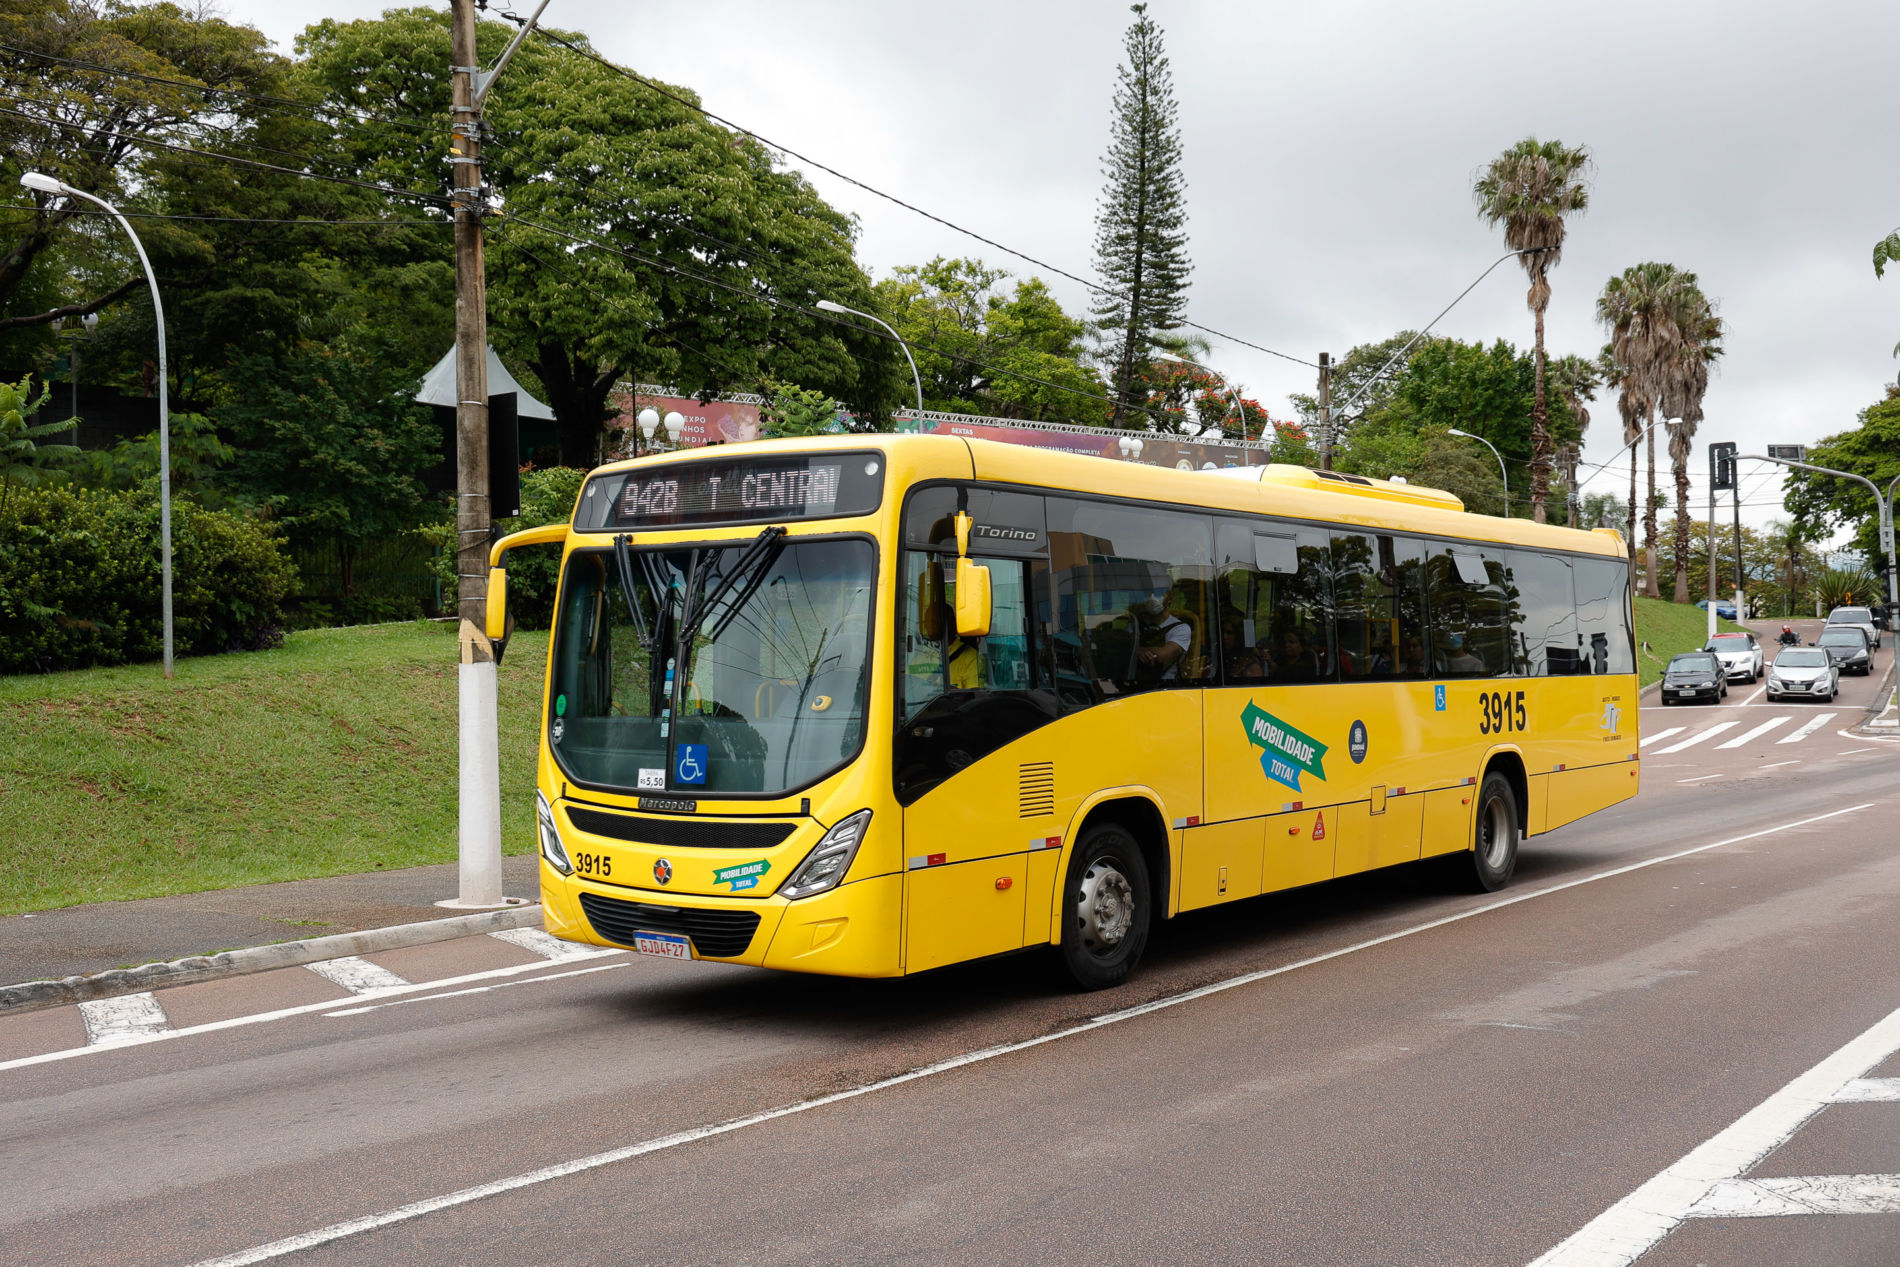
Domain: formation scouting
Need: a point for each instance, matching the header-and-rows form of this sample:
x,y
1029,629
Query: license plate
x,y
1685,692
665,945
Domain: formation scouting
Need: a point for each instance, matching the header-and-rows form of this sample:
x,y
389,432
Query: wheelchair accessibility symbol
x,y
690,765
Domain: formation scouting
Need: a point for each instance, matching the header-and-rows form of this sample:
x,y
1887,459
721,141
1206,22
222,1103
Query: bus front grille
x,y
680,833
719,934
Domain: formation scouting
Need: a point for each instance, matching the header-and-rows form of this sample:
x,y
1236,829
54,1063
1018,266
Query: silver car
x,y
1859,617
1803,673
1739,653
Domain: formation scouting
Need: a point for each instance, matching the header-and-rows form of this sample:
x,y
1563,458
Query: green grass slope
x,y
332,755
1664,629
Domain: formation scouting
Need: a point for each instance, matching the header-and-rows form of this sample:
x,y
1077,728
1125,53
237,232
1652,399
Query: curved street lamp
x,y
1208,369
45,184
1505,479
825,305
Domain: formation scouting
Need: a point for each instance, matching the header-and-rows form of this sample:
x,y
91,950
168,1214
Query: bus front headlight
x,y
551,847
829,859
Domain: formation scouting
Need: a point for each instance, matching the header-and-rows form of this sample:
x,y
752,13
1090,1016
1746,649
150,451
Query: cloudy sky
x,y
1330,152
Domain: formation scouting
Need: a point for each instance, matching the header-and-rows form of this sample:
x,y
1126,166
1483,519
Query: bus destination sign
x,y
754,490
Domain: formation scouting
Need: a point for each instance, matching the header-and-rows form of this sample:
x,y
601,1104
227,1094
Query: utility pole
x,y
1736,495
1325,411
479,791
1721,475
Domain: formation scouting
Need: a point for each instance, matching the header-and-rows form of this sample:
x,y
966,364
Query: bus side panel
x,y
1221,863
1575,793
965,911
1447,820
1293,856
1537,813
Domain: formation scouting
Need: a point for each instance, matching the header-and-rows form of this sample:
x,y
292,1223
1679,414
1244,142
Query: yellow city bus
x,y
870,705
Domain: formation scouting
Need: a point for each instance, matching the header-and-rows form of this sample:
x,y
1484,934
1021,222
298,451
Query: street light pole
x,y
825,305
45,184
1883,506
1502,477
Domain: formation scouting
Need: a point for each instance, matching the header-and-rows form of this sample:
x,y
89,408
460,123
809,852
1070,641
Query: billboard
x,y
714,422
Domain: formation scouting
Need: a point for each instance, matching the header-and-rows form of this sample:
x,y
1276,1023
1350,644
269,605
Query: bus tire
x,y
1107,908
1487,868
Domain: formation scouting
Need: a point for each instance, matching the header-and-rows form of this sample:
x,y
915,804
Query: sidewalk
x,y
81,940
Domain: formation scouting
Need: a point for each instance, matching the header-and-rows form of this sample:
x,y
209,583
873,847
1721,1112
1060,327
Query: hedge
x,y
80,579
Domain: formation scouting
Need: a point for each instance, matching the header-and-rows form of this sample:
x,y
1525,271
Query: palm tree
x,y
1686,382
1529,189
1641,307
1575,379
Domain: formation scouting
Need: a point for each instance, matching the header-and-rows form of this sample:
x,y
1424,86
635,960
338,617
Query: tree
x,y
1140,222
702,258
978,345
791,410
1363,380
1685,383
1574,380
1639,307
1871,449
330,444
23,459
1886,251
1529,189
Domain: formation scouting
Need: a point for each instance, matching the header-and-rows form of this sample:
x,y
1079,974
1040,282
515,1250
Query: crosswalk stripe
x,y
1756,733
1814,724
1659,735
548,947
1700,736
127,1017
357,975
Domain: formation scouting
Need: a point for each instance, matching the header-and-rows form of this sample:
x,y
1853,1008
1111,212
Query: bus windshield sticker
x,y
743,876
690,765
1288,750
651,778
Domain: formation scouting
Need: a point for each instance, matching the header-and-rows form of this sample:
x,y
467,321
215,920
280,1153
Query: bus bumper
x,y
852,931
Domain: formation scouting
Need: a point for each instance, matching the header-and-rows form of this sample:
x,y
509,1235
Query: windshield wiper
x,y
623,556
745,576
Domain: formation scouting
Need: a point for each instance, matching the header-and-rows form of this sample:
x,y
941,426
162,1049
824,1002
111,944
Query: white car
x,y
1861,619
1803,673
1740,655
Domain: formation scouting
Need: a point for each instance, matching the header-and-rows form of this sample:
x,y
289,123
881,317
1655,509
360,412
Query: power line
x,y
362,116
159,215
663,91
810,313
391,190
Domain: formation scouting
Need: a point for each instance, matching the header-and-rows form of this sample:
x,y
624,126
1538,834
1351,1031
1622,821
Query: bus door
x,y
972,878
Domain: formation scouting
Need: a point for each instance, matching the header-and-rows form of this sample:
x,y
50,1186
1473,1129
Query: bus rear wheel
x,y
1487,868
1106,908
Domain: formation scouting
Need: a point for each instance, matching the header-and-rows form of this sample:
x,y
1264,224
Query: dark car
x,y
1847,646
1694,675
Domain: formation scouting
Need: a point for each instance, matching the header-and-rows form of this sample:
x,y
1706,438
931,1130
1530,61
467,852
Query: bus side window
x,y
1134,587
1276,614
1544,618
1605,642
1378,597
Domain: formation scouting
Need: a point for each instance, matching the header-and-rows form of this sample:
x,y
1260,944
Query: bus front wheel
x,y
1487,868
1106,908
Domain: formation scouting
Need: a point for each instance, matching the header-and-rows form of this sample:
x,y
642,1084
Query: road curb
x,y
30,996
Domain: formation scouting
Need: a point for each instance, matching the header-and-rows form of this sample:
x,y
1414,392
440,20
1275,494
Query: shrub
x,y
80,580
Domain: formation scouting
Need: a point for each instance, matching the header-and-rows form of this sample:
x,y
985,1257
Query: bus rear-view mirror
x,y
973,599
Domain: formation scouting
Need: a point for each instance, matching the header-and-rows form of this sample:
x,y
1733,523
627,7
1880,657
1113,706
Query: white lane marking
x,y
1661,734
357,975
416,1209
477,989
1756,733
1757,695
1851,751
126,1019
1800,1194
549,947
1807,728
1868,1091
1627,1230
1772,764
258,1018
1700,736
1699,778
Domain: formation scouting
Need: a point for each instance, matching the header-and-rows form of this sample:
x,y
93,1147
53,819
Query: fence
x,y
340,582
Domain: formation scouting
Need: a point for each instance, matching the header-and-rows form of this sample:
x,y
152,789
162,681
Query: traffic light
x,y
1722,467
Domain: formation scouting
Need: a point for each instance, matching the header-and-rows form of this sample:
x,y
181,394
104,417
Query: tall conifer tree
x,y
1141,221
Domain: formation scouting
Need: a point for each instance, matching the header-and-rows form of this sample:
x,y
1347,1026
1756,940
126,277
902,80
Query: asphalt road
x,y
1413,1076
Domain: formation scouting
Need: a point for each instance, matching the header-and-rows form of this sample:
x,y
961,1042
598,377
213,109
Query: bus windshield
x,y
735,669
